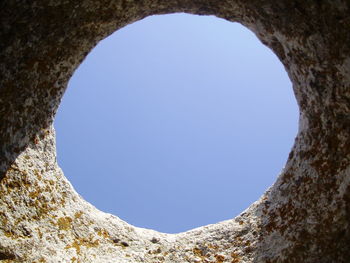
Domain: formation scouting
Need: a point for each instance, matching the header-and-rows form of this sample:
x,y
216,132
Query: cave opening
x,y
176,121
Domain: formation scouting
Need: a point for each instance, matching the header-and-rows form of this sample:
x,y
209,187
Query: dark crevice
x,y
7,256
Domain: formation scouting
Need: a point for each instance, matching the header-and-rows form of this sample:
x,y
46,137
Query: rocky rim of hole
x,y
303,217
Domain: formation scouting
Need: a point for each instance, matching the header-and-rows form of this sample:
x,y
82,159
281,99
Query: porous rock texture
x,y
303,217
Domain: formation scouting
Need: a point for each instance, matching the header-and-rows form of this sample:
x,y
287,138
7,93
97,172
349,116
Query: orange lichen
x,y
219,258
103,233
64,223
79,242
78,214
235,257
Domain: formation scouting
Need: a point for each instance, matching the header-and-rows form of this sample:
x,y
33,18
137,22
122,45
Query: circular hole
x,y
176,121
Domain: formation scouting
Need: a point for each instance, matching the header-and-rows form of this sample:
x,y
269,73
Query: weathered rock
x,y
303,217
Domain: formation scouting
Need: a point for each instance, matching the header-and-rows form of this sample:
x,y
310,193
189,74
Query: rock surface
x,y
303,217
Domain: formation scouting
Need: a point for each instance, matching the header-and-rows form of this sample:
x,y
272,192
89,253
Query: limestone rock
x,y
303,217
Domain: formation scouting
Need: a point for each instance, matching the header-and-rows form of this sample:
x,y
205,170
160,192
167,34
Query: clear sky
x,y
176,121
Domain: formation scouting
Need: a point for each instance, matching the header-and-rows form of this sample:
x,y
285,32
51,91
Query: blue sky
x,y
176,121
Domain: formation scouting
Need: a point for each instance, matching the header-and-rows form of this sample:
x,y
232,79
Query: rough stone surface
x,y
303,217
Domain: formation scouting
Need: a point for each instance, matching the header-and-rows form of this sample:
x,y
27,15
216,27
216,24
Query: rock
x,y
303,217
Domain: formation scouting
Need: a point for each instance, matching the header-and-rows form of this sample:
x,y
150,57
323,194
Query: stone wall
x,y
303,217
